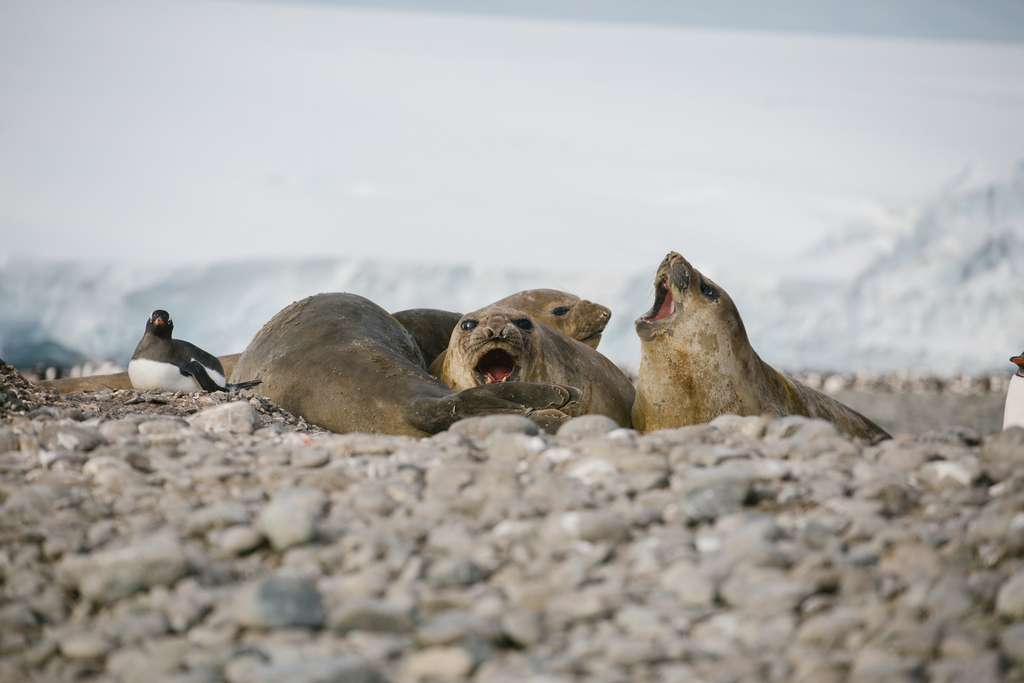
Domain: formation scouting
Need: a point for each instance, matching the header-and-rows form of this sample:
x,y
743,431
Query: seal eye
x,y
467,325
523,323
561,310
708,291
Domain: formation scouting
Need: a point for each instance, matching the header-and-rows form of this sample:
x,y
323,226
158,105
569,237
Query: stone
x,y
439,663
522,626
1010,599
278,601
452,626
290,519
709,493
70,437
237,417
110,575
369,614
84,646
162,425
310,457
595,526
1011,642
482,427
239,540
586,427
218,516
9,440
343,669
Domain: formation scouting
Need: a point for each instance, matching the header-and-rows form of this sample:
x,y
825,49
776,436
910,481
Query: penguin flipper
x,y
198,372
244,385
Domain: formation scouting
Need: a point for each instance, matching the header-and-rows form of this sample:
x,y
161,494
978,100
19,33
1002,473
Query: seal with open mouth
x,y
696,363
342,362
498,344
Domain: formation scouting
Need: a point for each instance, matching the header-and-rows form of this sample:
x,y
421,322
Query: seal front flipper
x,y
437,414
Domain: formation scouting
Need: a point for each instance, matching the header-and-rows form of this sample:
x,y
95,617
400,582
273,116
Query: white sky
x,y
200,130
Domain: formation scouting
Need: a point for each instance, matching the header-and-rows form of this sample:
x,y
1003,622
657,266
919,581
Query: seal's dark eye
x,y
561,310
523,323
467,325
708,291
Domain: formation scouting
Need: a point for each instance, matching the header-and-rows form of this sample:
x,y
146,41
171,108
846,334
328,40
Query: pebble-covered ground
x,y
198,538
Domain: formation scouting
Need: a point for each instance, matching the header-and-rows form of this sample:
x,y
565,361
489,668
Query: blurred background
x,y
851,173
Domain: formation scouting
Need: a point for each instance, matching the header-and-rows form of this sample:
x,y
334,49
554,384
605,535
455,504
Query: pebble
x,y
154,542
278,601
237,417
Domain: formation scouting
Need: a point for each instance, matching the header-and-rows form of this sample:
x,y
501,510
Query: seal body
x,y
1013,411
575,317
344,363
696,363
161,363
498,344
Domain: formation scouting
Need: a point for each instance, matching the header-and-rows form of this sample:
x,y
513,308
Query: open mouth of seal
x,y
497,365
664,303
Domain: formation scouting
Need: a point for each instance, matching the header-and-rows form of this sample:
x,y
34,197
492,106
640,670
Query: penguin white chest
x,y
149,375
1013,413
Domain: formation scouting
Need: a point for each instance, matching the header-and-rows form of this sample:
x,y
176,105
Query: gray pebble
x,y
278,601
587,426
368,614
237,417
482,427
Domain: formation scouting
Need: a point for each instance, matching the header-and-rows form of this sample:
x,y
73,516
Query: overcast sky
x,y
202,130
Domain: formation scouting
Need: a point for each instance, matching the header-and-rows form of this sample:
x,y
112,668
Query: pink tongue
x,y
498,374
668,306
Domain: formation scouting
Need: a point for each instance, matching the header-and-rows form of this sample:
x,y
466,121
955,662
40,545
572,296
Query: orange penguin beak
x,y
1019,360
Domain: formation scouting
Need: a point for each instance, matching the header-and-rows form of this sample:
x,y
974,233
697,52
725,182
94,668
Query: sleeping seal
x,y
696,363
342,362
498,344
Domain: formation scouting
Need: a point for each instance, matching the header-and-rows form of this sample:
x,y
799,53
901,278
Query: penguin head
x,y
160,324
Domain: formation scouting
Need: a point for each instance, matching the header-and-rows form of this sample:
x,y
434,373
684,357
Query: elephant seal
x,y
431,328
344,363
577,318
498,344
696,363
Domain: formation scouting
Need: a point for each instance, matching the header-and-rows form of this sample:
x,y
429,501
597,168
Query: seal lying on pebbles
x,y
578,318
161,363
1013,412
343,363
575,317
498,344
696,363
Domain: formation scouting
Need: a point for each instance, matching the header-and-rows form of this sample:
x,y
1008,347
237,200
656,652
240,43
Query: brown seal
x,y
342,362
578,318
696,363
498,344
575,317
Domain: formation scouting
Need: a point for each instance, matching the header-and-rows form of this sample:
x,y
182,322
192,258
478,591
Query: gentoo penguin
x,y
164,364
1013,413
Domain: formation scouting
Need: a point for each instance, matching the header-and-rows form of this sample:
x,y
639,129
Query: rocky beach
x,y
215,537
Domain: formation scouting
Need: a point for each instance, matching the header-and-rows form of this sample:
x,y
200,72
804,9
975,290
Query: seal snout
x,y
497,365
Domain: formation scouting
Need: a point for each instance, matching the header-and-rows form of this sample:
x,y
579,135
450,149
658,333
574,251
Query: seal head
x,y
577,318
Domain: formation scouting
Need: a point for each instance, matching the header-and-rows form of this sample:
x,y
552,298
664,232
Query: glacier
x,y
942,290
